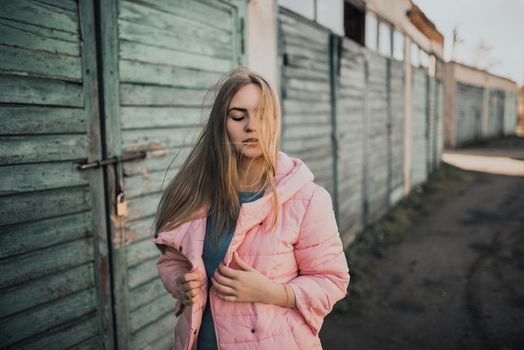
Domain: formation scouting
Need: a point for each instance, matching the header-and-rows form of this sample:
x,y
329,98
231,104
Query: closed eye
x,y
237,118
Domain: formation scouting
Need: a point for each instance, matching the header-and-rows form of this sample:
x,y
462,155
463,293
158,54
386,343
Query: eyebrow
x,y
238,109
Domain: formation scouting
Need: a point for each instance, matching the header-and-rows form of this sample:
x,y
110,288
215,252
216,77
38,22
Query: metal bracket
x,y
124,158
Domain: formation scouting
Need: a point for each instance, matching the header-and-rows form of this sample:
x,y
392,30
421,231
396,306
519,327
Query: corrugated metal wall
x,y
306,100
54,276
169,55
468,113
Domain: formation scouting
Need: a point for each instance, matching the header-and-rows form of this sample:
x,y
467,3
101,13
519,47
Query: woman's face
x,y
240,122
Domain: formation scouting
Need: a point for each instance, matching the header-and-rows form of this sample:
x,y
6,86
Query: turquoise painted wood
x,y
396,90
306,105
54,270
377,135
350,136
495,113
468,113
160,60
419,127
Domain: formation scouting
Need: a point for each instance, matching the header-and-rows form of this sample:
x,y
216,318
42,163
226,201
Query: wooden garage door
x,y
54,270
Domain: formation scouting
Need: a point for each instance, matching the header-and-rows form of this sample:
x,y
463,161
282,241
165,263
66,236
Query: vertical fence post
x,y
365,182
389,121
334,56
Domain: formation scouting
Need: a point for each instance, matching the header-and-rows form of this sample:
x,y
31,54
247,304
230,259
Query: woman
x,y
250,245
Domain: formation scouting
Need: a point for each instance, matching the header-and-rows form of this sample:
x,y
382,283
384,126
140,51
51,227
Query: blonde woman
x,y
250,245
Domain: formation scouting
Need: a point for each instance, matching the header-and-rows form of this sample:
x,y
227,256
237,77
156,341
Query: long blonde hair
x,y
208,177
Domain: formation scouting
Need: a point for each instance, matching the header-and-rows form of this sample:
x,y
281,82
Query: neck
x,y
249,175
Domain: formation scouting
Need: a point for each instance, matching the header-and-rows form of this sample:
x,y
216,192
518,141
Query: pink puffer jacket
x,y
305,251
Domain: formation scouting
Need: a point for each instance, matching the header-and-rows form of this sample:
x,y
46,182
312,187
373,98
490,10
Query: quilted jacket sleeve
x,y
323,270
170,265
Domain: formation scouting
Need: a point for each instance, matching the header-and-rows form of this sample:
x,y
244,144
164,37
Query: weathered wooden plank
x,y
35,292
149,183
142,273
304,52
311,96
34,205
308,85
157,55
155,117
300,27
21,269
213,14
142,207
150,312
42,148
29,37
305,74
303,144
161,330
298,61
145,294
40,91
40,33
39,63
42,120
145,73
61,311
300,119
165,30
70,5
307,131
140,252
133,140
139,229
39,176
158,161
40,14
64,336
293,106
140,95
33,236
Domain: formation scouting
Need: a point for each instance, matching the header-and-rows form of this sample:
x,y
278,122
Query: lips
x,y
251,140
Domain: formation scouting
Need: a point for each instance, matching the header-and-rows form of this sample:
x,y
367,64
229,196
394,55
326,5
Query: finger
x,y
190,276
192,285
226,297
223,289
226,271
223,279
243,265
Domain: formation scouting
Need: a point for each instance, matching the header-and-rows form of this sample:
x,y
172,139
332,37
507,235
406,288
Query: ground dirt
x,y
444,269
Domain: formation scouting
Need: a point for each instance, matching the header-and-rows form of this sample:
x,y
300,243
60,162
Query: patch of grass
x,y
373,243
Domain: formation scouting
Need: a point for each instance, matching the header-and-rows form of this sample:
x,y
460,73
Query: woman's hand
x,y
188,288
246,285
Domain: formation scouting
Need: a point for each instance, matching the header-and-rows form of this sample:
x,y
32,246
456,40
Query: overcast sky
x,y
497,23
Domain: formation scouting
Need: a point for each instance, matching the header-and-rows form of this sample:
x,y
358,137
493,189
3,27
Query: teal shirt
x,y
212,258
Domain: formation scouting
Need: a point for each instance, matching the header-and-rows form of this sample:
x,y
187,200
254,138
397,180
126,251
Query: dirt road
x,y
456,281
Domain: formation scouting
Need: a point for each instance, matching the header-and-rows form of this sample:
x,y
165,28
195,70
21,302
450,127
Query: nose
x,y
250,125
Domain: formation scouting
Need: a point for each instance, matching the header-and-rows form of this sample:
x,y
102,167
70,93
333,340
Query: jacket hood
x,y
291,175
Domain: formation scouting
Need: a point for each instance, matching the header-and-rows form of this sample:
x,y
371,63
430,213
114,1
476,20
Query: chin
x,y
251,153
